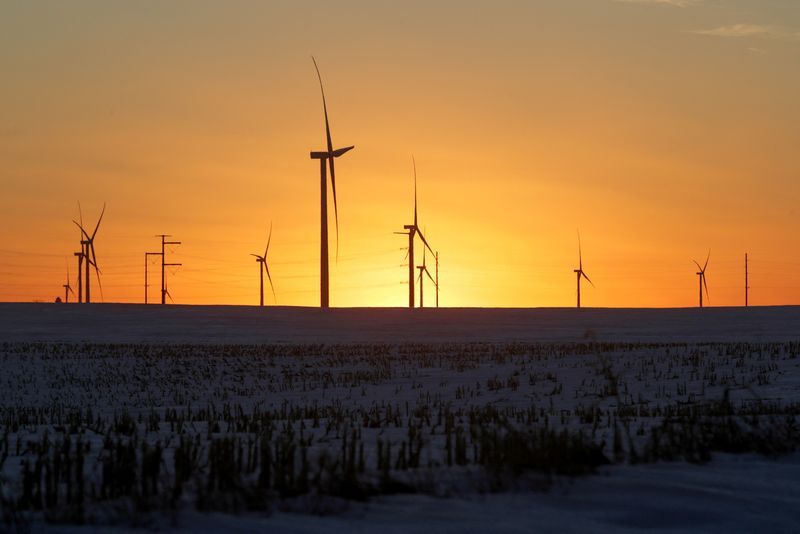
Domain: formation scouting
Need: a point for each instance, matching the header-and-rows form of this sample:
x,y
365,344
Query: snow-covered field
x,y
117,323
236,418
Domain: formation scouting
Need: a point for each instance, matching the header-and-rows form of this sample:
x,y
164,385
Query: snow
x,y
731,494
372,362
131,323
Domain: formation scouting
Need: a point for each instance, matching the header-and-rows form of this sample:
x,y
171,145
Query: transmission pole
x,y
746,282
164,242
146,258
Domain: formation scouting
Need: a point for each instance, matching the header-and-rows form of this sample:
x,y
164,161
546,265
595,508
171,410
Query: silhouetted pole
x,y
164,242
700,282
421,286
85,245
578,273
324,289
437,279
412,230
261,273
80,275
146,262
746,284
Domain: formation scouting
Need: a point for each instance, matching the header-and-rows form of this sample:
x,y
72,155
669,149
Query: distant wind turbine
x,y
67,287
412,231
326,158
423,269
87,243
579,271
702,278
262,261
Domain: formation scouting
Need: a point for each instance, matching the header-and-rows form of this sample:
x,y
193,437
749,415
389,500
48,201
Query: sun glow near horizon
x,y
656,140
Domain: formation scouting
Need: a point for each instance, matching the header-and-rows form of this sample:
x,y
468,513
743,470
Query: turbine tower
x,y
67,288
423,269
579,271
702,278
412,231
87,250
326,158
262,261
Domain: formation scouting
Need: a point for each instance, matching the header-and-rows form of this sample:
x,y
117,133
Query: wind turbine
x,y
579,271
702,278
326,158
67,287
423,269
262,260
89,255
412,231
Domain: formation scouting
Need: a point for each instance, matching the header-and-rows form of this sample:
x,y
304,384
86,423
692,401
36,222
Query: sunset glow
x,y
669,129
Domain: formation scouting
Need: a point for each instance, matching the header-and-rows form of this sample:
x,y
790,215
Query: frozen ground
x,y
117,323
442,390
731,494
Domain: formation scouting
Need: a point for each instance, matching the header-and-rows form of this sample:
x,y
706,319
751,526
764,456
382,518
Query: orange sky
x,y
659,128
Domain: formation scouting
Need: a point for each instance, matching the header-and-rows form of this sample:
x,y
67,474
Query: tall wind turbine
x,y
423,269
326,158
67,287
412,231
579,271
702,278
89,255
262,261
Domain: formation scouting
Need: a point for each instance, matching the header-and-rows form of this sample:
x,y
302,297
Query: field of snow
x,y
137,323
302,420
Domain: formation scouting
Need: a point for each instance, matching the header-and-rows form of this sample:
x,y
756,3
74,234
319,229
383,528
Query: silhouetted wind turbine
x,y
326,157
423,269
702,278
89,254
579,271
412,231
262,260
67,287
80,256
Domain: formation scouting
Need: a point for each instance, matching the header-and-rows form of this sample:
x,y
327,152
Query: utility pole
x,y
746,280
164,242
146,258
437,279
412,230
80,274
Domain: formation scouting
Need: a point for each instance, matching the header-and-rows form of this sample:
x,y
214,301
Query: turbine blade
x,y
429,276
80,214
335,206
414,163
587,278
81,228
698,265
100,285
268,241
94,256
99,220
257,256
419,233
340,151
703,276
324,107
266,268
707,258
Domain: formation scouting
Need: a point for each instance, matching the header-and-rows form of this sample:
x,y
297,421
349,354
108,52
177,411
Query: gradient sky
x,y
659,128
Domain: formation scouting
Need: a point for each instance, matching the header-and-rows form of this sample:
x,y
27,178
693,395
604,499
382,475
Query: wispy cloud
x,y
751,30
675,3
